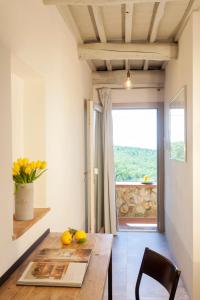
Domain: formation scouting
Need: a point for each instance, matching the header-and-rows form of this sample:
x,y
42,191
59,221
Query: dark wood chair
x,y
161,269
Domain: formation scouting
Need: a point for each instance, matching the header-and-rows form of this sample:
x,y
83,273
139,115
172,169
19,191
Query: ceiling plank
x,y
140,78
155,25
101,30
128,27
127,65
164,65
99,23
108,65
146,65
192,6
158,16
138,51
91,65
128,22
100,2
69,20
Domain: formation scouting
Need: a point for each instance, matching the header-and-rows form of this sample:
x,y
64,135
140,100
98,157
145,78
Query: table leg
x,y
110,278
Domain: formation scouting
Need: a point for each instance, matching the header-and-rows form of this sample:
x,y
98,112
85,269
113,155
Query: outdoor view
x,y
135,144
135,154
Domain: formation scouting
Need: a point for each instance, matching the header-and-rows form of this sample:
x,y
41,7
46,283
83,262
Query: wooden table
x,y
95,279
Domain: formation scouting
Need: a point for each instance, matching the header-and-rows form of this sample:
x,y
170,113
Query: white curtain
x,y
110,213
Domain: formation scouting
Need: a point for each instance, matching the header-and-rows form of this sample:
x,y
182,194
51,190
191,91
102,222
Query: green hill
x,y
132,163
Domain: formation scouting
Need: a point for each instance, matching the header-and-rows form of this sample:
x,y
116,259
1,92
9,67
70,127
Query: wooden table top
x,y
94,282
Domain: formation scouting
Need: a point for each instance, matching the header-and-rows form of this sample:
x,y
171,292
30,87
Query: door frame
x,y
160,153
90,108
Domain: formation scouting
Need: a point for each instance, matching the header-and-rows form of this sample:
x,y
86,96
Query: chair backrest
x,y
161,269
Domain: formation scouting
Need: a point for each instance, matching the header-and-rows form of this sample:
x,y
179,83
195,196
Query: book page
x,y
54,273
65,254
57,267
75,273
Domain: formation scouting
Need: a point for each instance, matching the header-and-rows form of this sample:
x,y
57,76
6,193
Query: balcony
x,y
136,205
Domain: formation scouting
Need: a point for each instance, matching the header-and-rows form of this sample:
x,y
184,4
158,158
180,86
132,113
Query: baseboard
x,y
22,258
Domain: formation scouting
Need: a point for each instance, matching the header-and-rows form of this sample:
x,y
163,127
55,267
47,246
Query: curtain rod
x,y
134,88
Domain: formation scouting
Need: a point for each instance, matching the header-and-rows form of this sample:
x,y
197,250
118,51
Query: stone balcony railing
x,y
135,199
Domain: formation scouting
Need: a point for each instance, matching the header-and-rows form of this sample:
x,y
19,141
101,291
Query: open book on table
x,y
57,267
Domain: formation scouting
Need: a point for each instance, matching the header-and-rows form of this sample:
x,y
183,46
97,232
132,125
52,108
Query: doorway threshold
x,y
138,227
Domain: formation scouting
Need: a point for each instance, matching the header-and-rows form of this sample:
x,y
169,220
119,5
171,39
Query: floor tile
x,y
128,249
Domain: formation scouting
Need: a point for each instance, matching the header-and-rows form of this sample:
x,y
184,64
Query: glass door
x,y
136,168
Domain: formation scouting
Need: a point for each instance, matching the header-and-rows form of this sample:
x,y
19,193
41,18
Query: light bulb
x,y
128,82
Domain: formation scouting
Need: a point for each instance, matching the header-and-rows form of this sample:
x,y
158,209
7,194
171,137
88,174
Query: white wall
x,y
179,180
37,36
137,95
35,132
143,95
29,121
196,154
17,96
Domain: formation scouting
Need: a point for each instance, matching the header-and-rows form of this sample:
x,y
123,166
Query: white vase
x,y
24,202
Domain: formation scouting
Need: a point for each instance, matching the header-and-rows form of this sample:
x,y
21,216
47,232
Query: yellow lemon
x,y
80,236
66,238
146,178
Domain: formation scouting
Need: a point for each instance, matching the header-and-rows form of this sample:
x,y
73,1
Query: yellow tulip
x,y
25,161
15,165
38,164
43,165
20,162
16,170
28,170
32,165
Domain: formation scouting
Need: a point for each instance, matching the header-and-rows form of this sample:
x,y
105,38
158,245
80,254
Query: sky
x,y
135,128
177,125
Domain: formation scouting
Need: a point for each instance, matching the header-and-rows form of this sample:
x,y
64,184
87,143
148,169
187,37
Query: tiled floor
x,y
128,250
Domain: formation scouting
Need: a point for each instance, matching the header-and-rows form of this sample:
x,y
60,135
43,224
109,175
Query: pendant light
x,y
128,82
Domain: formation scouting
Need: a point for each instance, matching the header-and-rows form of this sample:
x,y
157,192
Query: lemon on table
x,y
146,178
66,238
80,236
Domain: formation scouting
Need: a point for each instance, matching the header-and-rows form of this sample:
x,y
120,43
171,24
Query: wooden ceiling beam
x,y
69,20
101,30
128,22
128,27
146,65
122,51
139,78
192,6
156,22
164,65
100,2
155,25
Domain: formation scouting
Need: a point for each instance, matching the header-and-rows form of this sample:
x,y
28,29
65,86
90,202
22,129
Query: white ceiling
x,y
151,21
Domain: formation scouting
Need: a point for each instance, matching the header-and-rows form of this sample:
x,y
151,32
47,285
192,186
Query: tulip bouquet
x,y
26,171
